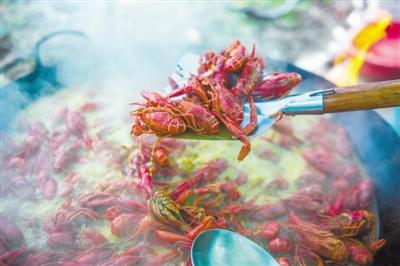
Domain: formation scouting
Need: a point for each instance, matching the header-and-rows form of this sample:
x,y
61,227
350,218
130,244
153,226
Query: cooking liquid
x,y
111,122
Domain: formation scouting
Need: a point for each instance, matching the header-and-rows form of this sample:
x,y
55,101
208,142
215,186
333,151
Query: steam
x,y
129,46
129,43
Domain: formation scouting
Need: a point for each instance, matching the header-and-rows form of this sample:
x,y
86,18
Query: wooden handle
x,y
364,96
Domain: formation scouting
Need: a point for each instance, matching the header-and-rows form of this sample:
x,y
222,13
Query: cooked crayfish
x,y
212,96
350,224
322,242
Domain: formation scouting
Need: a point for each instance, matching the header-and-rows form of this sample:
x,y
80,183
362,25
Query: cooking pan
x,y
378,147
376,143
41,81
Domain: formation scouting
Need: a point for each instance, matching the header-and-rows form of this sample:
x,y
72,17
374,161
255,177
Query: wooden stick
x,y
364,96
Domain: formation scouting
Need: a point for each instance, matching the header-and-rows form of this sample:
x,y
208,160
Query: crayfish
x,y
214,96
172,223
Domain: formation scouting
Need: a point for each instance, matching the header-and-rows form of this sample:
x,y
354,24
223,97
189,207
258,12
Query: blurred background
x,y
135,45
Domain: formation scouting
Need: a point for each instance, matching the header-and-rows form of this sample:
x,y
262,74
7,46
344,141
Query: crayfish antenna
x,y
136,103
253,117
253,52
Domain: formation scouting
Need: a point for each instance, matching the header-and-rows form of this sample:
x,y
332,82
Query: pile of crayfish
x,y
214,96
74,192
154,216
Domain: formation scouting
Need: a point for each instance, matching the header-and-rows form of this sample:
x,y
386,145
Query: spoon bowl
x,y
188,65
223,247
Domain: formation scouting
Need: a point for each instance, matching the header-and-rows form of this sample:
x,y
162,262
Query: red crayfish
x,y
212,98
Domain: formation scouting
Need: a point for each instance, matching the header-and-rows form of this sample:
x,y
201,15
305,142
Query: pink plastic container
x,y
383,59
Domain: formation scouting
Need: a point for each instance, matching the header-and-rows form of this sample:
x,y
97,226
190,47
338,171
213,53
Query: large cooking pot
x,y
376,143
378,146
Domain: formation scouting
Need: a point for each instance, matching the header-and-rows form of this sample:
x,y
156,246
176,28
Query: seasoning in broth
x,y
212,98
78,189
